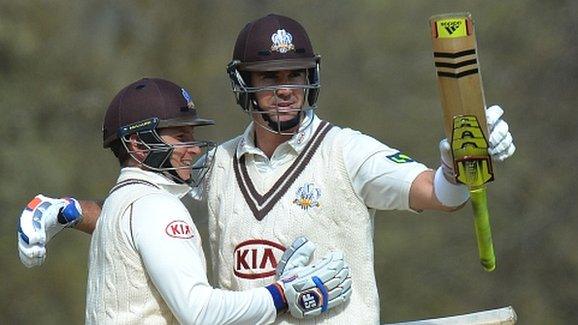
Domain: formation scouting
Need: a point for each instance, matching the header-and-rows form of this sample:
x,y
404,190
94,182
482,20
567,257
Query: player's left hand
x,y
43,218
297,255
501,141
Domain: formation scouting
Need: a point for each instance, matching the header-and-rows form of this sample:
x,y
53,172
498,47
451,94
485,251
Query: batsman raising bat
x,y
291,173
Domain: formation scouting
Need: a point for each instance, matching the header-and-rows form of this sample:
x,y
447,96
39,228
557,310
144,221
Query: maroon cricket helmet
x,y
273,43
150,98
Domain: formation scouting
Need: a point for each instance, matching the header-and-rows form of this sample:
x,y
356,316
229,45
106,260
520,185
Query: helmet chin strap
x,y
279,126
282,125
172,173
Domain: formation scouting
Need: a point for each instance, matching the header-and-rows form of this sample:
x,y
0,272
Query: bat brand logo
x,y
451,26
282,41
179,229
256,258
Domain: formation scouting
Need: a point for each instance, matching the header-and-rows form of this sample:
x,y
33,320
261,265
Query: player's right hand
x,y
43,218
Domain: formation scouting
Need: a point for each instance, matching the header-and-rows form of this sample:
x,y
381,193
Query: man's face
x,y
282,104
183,155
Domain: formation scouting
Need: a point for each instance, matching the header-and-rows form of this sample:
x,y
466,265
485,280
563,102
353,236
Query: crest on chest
x,y
308,196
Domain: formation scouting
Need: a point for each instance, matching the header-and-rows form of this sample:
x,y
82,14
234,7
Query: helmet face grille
x,y
157,155
245,94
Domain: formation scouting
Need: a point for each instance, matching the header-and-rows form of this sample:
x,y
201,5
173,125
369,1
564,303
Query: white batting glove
x,y
308,291
41,220
501,140
297,255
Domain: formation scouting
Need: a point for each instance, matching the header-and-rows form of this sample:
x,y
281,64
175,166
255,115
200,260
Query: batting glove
x,y
308,291
41,220
297,255
501,141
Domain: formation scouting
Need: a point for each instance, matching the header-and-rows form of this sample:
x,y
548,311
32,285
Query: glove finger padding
x,y
309,290
500,131
297,255
30,255
493,115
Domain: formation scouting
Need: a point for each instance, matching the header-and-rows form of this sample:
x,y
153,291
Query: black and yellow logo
x,y
400,158
450,28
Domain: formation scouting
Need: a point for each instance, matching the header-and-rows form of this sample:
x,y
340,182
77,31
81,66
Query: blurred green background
x,y
61,62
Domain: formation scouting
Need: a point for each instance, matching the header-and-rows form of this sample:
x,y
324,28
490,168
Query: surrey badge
x,y
282,41
307,196
188,98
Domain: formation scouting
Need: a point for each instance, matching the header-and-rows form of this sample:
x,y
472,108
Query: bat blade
x,y
462,97
457,67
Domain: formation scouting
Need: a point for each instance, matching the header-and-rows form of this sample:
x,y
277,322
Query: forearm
x,y
446,197
90,213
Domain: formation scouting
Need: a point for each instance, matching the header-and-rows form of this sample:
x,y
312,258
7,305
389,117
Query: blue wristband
x,y
278,296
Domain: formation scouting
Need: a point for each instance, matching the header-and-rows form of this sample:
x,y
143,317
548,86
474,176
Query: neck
x,y
268,141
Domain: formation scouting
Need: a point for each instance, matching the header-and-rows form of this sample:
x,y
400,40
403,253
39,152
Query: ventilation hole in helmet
x,y
264,53
140,86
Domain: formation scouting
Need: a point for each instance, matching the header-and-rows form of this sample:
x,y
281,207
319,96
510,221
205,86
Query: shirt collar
x,y
297,141
178,190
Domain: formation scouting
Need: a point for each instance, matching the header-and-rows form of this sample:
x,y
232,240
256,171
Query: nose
x,y
283,93
194,150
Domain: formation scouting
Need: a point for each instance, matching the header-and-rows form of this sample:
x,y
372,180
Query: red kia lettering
x,y
257,258
179,229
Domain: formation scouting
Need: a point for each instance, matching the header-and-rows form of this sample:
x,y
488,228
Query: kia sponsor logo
x,y
256,258
179,229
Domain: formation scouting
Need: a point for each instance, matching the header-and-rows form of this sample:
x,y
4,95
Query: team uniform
x,y
325,183
147,265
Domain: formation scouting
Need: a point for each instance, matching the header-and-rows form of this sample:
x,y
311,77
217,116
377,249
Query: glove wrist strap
x,y
278,295
450,195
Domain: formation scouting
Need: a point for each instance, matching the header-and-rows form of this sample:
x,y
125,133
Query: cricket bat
x,y
462,98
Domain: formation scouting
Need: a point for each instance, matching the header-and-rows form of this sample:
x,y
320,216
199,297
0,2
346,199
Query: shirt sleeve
x,y
163,233
381,176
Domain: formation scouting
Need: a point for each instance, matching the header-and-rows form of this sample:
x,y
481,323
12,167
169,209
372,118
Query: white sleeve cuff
x,y
450,195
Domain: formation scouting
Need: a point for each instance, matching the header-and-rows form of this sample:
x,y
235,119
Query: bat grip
x,y
482,227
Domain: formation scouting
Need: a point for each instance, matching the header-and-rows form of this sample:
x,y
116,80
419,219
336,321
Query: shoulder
x,y
159,203
229,145
354,140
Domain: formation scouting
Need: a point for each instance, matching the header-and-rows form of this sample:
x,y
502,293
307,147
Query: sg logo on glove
x,y
310,299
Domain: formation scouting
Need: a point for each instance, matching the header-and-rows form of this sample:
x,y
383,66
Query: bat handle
x,y
482,227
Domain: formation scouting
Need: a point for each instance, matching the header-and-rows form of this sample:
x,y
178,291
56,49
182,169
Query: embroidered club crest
x,y
282,41
188,98
308,196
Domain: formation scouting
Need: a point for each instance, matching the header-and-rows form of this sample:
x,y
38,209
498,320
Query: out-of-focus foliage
x,y
61,62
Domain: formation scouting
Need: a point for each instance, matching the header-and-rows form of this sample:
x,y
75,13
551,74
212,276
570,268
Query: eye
x,y
297,74
268,75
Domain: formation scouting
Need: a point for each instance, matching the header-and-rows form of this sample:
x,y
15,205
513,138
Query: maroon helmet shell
x,y
149,98
273,43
